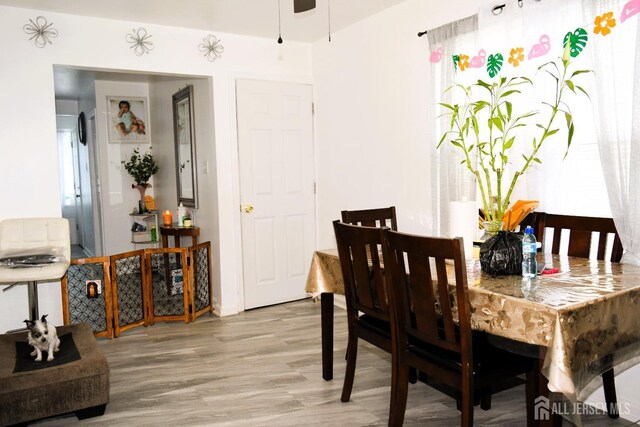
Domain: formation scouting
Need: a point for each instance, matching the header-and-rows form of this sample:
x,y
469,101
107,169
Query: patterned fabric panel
x,y
128,276
84,305
201,279
167,278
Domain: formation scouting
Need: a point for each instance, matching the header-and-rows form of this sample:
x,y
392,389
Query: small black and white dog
x,y
43,337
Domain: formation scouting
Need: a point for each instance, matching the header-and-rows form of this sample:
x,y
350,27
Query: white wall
x,y
28,151
372,106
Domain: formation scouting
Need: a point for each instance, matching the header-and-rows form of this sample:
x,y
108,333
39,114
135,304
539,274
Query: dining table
x,y
582,319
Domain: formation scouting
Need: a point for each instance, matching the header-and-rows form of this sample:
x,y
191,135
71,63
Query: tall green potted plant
x,y
485,129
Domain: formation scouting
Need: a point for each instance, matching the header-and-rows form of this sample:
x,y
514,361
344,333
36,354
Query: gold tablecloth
x,y
586,315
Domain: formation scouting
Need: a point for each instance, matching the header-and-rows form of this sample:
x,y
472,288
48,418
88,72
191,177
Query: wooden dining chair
x,y
581,229
535,220
433,334
378,217
581,235
365,292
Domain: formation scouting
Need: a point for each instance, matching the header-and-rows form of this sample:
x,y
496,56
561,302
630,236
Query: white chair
x,y
44,234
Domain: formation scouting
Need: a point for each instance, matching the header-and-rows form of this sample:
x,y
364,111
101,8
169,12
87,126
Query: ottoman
x,y
77,380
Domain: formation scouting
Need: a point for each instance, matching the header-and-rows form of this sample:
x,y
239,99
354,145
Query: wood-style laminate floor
x,y
263,368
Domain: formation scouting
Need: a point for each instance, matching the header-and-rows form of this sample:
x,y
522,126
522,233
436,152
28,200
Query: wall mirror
x,y
185,144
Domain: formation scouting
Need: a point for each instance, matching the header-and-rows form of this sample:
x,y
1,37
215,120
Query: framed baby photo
x,y
128,119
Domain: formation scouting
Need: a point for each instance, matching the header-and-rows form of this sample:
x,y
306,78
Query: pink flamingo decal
x,y
541,48
630,9
436,55
478,61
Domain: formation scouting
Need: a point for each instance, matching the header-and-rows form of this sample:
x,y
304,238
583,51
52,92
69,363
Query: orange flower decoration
x,y
516,56
463,62
604,23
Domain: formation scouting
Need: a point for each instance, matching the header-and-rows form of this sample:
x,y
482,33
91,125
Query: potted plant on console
x,y
141,167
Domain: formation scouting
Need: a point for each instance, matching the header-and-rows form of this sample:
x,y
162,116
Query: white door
x,y
275,141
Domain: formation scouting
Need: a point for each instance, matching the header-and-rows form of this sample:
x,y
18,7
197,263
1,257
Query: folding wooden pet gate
x,y
119,292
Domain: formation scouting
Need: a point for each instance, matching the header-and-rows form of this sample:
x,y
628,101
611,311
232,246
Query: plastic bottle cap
x,y
528,230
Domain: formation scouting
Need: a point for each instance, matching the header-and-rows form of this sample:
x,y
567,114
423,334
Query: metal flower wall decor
x,y
41,31
211,47
140,41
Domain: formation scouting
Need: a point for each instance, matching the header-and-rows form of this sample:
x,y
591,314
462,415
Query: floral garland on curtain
x,y
577,40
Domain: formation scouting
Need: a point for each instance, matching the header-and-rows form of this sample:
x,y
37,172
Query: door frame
x,y
96,182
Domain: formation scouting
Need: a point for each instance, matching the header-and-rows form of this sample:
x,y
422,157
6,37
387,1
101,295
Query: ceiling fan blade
x,y
303,5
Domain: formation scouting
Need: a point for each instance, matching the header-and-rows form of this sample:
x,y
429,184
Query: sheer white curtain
x,y
616,101
452,182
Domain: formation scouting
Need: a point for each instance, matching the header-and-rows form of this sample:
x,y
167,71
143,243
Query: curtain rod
x,y
496,10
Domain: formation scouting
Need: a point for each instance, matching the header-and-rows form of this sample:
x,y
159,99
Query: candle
x,y
166,218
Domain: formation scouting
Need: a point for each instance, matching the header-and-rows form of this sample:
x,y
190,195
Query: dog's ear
x,y
29,323
43,319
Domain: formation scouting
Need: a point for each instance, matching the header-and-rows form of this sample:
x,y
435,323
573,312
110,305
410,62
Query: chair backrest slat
x,y
378,217
421,288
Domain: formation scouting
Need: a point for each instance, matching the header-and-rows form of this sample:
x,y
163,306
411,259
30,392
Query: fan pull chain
x,y
329,16
279,28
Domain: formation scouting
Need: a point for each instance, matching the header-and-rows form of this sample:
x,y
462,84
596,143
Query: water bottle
x,y
182,211
529,249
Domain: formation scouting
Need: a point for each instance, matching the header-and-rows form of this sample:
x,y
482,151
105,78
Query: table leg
x,y
167,269
326,316
538,411
176,241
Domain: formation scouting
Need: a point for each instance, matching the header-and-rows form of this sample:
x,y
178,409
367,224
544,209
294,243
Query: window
x,y
65,154
574,185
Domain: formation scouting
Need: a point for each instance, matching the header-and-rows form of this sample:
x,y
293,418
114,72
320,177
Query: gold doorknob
x,y
248,208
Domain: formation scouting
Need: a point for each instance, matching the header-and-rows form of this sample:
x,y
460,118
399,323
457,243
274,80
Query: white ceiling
x,y
249,17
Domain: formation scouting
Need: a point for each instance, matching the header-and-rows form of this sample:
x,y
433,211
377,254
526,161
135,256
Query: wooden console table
x,y
177,232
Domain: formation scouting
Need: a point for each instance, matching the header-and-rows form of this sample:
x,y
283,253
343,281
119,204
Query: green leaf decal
x,y
455,58
494,64
576,40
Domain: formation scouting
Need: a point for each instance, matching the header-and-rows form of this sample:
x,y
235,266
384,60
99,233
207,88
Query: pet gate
x,y
123,291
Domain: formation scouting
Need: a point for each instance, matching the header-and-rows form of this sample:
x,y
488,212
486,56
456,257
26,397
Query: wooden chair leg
x,y
352,353
609,386
413,375
395,366
399,395
467,401
485,399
